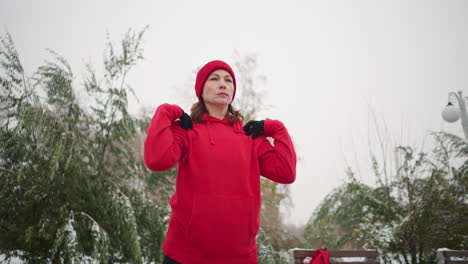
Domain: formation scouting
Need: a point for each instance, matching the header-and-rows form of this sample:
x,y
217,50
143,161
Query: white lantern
x,y
451,113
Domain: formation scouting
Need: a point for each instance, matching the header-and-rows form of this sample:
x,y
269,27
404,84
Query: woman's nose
x,y
222,84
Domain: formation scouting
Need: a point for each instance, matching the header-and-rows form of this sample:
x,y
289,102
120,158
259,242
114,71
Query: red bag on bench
x,y
319,256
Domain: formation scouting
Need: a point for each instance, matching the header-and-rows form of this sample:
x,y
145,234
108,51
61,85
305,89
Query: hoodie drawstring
x,y
208,127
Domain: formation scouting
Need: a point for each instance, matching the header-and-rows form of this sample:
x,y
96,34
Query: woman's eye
x,y
213,78
228,80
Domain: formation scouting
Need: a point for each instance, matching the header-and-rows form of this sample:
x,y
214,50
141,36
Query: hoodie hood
x,y
211,120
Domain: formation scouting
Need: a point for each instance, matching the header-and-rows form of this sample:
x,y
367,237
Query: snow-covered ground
x,y
12,260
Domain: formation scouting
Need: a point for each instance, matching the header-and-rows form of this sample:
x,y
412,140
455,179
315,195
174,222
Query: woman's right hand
x,y
186,121
174,111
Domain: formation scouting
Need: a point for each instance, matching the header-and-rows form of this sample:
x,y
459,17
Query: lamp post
x,y
452,113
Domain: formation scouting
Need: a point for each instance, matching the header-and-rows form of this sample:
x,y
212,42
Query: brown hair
x,y
199,108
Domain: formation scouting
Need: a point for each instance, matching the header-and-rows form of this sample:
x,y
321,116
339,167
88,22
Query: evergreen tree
x,y
65,167
420,209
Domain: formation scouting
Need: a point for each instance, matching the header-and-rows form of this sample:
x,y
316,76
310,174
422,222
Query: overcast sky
x,y
329,65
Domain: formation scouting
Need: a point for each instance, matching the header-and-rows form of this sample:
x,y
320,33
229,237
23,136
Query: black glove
x,y
186,122
255,128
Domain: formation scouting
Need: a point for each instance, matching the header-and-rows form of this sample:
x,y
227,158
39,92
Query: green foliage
x,y
422,208
267,254
66,167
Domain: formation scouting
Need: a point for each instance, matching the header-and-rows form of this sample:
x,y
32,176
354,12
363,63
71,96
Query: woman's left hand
x,y
254,128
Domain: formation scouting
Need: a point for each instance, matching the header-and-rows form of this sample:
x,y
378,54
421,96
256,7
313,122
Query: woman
x,y
215,213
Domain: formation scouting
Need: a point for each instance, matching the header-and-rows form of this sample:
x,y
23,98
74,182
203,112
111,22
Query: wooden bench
x,y
297,256
452,256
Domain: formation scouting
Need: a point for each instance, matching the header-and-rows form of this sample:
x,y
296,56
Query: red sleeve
x,y
165,141
278,162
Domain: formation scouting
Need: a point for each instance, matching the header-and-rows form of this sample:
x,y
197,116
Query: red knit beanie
x,y
206,70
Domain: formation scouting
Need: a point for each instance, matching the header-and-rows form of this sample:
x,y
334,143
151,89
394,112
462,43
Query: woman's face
x,y
218,88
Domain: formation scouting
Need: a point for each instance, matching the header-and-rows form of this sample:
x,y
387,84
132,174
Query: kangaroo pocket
x,y
222,226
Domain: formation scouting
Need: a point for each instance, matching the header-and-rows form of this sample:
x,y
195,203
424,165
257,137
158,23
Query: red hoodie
x,y
216,206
